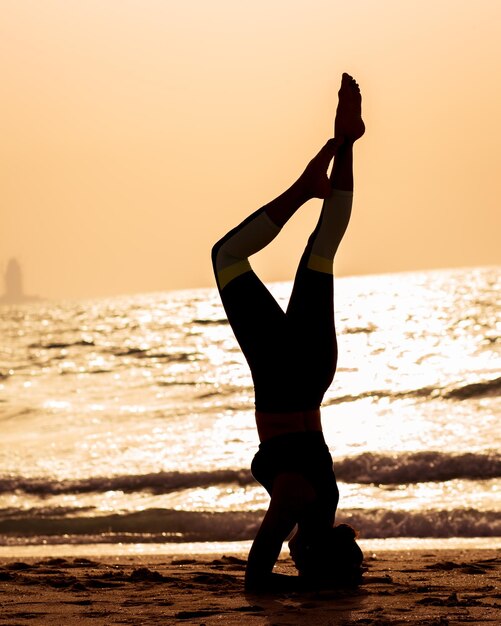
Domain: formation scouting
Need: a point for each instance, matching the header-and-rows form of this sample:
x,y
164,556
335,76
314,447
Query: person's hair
x,y
334,556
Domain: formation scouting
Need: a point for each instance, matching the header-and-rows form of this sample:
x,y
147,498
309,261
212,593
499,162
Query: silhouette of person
x,y
292,356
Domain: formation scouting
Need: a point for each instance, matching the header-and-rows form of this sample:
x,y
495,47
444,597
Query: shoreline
x,y
432,587
242,548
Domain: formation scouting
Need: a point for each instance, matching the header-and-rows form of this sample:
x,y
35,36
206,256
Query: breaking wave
x,y
452,392
366,468
168,525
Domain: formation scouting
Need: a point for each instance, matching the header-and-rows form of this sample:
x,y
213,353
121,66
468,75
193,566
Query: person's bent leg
x,y
258,322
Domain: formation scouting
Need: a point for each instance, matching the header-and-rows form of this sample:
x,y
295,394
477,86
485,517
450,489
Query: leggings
x,y
292,355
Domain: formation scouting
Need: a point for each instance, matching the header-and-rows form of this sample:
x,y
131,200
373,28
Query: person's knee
x,y
218,254
214,253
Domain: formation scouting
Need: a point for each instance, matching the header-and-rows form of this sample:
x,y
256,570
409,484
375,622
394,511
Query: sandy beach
x,y
406,587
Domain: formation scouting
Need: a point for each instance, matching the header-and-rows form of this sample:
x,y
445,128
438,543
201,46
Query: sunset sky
x,y
134,133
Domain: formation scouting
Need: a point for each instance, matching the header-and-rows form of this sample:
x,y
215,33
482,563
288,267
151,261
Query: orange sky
x,y
136,132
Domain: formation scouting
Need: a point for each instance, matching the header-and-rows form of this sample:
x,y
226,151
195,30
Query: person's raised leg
x,y
311,306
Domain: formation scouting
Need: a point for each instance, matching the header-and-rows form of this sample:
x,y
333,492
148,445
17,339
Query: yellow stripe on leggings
x,y
231,272
320,264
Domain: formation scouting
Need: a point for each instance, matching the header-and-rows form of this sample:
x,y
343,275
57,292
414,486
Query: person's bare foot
x,y
315,179
349,124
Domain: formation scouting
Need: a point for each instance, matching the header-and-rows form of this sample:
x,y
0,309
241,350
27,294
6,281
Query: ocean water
x,y
129,420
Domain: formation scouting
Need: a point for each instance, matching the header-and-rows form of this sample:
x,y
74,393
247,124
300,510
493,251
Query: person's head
x,y
331,556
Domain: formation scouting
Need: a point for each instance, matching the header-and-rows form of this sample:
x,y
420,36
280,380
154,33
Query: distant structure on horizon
x,y
14,293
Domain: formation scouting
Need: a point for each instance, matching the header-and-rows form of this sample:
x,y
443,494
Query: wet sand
x,y
434,587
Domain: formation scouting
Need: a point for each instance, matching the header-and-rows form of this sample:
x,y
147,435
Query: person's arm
x,y
291,494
